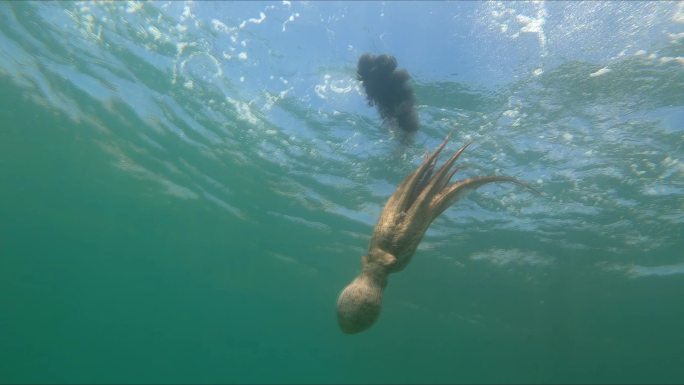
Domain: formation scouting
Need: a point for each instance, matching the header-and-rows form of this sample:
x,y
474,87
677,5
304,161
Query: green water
x,y
157,232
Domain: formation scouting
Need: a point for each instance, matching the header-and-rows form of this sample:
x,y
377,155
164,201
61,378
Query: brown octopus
x,y
418,200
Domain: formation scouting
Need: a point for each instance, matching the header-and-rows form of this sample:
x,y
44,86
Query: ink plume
x,y
387,88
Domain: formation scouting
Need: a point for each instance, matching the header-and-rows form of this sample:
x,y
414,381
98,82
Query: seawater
x,y
185,187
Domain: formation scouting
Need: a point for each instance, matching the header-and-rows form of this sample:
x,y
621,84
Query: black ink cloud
x,y
387,88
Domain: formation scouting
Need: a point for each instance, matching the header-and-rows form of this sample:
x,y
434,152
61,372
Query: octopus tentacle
x,y
422,202
404,196
448,179
425,171
452,193
400,197
420,186
444,174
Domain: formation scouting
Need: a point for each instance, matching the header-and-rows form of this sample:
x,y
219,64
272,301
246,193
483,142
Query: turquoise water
x,y
186,187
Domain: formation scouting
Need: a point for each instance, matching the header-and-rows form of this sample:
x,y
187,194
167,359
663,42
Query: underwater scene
x,y
231,192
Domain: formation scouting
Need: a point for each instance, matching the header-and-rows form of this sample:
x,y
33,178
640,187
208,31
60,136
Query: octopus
x,y
420,198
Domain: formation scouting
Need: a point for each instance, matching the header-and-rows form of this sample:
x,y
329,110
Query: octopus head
x,y
359,304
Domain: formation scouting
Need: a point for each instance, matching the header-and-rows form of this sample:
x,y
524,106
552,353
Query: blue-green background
x,y
186,187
